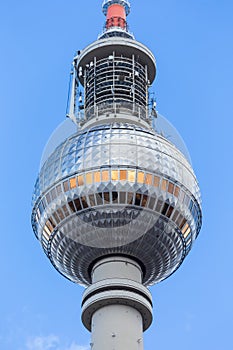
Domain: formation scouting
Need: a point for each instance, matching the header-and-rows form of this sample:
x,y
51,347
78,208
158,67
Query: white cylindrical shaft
x,y
117,308
116,267
117,327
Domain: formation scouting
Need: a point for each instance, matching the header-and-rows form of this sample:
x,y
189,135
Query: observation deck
x,y
116,74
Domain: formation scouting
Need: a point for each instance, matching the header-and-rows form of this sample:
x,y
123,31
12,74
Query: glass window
x,y
46,233
179,220
114,175
130,198
189,241
80,180
151,203
131,175
114,197
56,218
138,197
123,175
148,179
144,200
156,181
187,232
164,185
177,191
182,223
60,214
72,207
175,215
105,175
88,178
66,186
77,204
159,205
122,197
59,189
170,211
84,202
170,187
65,210
97,176
73,183
49,226
185,227
106,196
99,199
165,208
140,178
92,200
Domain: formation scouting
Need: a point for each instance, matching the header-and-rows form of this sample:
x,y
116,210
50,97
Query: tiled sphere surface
x,y
116,189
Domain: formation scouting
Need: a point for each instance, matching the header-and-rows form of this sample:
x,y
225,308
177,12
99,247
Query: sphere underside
x,y
116,189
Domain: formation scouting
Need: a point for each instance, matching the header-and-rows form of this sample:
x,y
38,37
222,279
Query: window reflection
x,y
97,176
177,191
89,178
73,183
131,175
156,181
123,175
164,185
171,187
80,180
148,179
114,175
105,175
140,177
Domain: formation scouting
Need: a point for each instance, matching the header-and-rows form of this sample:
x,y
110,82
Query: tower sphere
x,y
112,189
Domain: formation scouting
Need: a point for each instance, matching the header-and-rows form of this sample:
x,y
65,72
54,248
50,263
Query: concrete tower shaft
x,y
117,308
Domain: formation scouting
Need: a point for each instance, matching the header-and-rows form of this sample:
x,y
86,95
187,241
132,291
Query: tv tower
x,y
116,205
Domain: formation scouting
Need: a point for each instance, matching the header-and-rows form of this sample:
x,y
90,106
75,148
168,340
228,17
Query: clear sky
x,y
192,41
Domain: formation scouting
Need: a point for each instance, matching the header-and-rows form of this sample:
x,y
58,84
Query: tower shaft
x,y
117,308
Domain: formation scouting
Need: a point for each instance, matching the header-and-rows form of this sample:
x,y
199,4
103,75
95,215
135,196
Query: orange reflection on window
x,y
80,180
105,175
89,178
97,176
148,179
123,175
73,183
185,228
177,191
164,185
131,175
140,178
114,175
170,187
187,232
156,181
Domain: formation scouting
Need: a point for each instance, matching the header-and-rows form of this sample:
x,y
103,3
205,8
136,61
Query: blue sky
x,y
192,41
